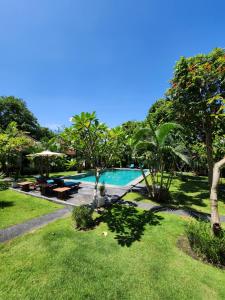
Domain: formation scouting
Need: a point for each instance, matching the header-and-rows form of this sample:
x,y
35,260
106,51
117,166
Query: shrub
x,y
204,244
82,216
162,195
3,184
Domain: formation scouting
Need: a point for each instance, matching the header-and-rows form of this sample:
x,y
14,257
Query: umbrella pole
x,y
41,166
47,168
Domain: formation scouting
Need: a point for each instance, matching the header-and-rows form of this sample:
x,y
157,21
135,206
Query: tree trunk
x,y
146,181
209,150
215,219
95,196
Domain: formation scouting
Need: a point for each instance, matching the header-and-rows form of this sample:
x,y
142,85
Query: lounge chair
x,y
62,183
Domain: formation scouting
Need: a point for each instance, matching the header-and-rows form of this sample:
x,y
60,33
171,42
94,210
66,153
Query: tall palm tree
x,y
157,149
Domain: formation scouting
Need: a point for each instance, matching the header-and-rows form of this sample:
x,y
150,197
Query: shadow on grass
x,y
128,223
181,198
194,192
4,204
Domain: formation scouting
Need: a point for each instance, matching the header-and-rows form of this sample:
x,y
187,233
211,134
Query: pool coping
x,y
129,184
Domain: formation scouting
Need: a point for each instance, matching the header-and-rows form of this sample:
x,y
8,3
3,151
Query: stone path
x,y
19,229
84,198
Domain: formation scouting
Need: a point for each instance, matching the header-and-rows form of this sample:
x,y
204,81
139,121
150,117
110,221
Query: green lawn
x,y
193,193
66,173
138,259
16,208
133,196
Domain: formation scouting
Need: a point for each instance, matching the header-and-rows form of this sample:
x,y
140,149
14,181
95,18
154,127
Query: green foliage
x,y
70,164
87,136
13,109
197,93
204,244
160,112
82,216
157,150
12,143
3,184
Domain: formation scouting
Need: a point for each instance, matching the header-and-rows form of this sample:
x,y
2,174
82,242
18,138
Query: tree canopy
x,y
196,81
13,109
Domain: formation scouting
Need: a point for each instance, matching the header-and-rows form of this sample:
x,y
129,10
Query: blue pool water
x,y
114,177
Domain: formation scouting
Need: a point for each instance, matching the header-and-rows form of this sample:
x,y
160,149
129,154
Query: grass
x,y
134,196
57,262
193,193
16,208
66,173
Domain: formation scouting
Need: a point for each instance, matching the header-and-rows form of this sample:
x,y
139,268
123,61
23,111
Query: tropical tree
x,y
155,149
115,147
161,112
13,109
129,128
196,81
88,137
12,144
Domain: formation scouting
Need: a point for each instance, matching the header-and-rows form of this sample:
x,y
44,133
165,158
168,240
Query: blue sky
x,y
112,56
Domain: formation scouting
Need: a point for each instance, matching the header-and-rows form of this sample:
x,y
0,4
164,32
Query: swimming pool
x,y
119,177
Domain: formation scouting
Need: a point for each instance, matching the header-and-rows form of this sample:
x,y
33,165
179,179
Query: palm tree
x,y
158,150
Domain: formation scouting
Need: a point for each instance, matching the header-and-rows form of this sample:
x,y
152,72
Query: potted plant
x,y
102,189
101,197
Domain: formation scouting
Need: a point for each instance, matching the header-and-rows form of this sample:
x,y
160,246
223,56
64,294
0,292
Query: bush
x,y
82,216
4,185
204,244
162,195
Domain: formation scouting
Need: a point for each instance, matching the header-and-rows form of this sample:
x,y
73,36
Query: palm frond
x,y
164,130
143,133
145,146
177,152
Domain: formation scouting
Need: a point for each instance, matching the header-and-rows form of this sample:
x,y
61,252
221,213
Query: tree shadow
x,y
128,223
195,185
4,204
180,198
194,192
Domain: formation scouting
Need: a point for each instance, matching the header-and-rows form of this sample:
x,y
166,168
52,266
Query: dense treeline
x,y
193,99
195,96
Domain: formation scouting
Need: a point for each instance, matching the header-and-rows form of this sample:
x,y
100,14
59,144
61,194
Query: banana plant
x,y
156,149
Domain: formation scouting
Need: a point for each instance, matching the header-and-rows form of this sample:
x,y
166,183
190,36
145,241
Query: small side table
x,y
25,186
62,192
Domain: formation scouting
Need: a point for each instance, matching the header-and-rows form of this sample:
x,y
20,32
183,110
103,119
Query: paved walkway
x,y
19,229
